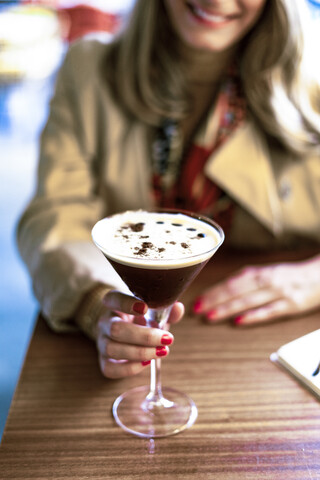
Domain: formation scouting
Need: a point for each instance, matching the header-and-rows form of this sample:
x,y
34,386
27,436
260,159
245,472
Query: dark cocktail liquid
x,y
157,287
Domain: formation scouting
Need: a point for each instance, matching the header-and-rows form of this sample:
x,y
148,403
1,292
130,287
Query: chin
x,y
208,46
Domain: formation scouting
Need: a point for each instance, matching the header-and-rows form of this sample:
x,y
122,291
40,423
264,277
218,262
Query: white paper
x,y
301,357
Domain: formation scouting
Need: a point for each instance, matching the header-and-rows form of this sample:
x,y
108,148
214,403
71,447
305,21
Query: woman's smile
x,y
213,25
211,18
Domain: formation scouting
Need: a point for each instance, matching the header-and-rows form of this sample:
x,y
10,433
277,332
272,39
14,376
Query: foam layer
x,y
156,240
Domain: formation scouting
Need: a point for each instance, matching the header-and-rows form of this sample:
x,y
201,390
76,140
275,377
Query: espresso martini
x,y
157,254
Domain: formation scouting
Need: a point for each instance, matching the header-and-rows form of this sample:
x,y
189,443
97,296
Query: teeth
x,y
206,16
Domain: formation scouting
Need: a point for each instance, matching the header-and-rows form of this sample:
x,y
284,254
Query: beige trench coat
x,y
92,164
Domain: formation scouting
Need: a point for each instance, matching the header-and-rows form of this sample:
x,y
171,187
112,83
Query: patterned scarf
x,y
179,180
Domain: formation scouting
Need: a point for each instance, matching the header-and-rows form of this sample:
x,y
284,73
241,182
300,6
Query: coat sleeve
x,y
54,232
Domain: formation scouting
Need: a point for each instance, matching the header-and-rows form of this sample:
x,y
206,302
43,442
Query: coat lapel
x,y
242,167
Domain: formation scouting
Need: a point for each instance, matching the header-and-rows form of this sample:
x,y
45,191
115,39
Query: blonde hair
x,y
148,81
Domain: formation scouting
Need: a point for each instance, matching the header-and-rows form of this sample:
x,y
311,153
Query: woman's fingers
x,y
118,301
236,306
120,351
248,280
122,331
119,369
248,289
176,313
125,348
279,309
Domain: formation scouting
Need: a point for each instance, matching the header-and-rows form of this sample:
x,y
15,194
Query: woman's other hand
x,y
125,344
257,294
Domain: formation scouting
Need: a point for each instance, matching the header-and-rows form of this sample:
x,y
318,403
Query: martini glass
x,y
157,254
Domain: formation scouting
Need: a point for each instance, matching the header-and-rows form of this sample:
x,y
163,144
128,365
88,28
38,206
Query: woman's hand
x,y
125,345
259,294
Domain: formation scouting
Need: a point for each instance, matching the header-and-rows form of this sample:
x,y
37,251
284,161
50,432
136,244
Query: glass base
x,y
145,417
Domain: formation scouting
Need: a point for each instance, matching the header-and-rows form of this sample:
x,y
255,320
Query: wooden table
x,y
255,421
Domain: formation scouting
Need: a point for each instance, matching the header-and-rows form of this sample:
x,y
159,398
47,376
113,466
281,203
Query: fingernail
x,y
197,306
166,339
161,351
146,363
238,320
212,315
139,307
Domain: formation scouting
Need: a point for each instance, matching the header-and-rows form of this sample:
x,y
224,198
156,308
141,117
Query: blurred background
x,y
34,36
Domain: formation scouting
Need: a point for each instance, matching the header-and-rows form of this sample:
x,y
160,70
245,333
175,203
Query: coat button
x,y
285,189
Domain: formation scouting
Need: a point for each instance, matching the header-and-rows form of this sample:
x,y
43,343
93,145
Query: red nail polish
x,y
139,307
211,315
146,363
161,351
238,320
166,339
197,306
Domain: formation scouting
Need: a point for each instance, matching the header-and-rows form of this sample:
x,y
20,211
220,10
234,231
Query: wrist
x,y
90,310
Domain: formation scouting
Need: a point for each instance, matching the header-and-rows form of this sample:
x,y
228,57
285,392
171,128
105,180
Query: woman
x,y
216,94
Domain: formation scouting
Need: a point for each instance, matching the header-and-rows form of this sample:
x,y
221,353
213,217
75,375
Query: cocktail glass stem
x,y
155,400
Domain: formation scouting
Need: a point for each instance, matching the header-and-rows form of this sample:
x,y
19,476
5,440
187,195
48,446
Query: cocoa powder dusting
x,y
136,227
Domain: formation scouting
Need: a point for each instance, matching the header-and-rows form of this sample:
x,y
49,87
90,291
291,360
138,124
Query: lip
x,y
207,16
